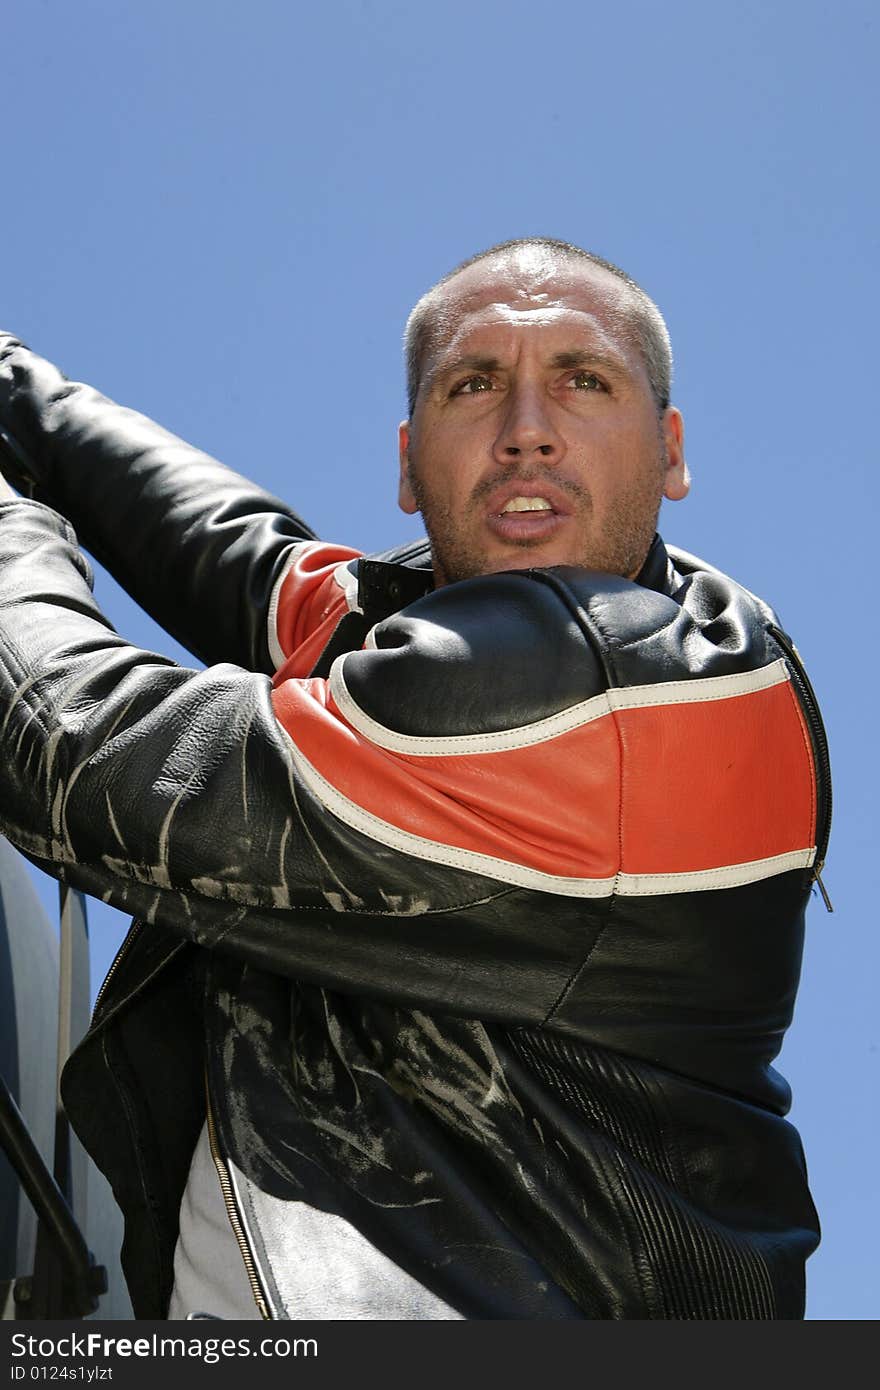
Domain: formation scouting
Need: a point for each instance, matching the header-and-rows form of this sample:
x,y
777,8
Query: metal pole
x,y
86,1280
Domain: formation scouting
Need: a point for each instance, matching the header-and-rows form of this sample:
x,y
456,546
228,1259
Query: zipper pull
x,y
817,879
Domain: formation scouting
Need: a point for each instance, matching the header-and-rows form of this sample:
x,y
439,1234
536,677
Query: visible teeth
x,y
527,504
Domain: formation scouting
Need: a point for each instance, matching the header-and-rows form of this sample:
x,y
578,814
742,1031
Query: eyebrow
x,y
474,362
585,357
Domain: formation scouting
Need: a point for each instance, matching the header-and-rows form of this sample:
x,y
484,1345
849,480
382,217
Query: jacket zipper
x,y
123,951
810,705
232,1213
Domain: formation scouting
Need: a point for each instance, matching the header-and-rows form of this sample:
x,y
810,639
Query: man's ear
x,y
678,479
405,496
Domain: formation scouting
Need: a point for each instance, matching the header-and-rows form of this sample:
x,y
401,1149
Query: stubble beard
x,y
621,548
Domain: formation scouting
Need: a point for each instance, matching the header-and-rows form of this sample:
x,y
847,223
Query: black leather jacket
x,y
483,939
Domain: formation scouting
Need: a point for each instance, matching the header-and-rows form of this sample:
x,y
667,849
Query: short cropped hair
x,y
651,333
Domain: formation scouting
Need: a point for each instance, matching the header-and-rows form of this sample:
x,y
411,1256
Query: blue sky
x,y
222,217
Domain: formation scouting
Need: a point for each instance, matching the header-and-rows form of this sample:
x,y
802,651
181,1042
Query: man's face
x,y
535,438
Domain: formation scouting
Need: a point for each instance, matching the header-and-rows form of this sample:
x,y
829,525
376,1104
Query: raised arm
x,y
195,544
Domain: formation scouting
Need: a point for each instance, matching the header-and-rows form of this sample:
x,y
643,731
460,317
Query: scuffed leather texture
x,y
443,642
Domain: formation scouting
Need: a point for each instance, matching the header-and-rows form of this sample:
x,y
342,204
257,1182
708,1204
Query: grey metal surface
x,y
32,1048
28,1044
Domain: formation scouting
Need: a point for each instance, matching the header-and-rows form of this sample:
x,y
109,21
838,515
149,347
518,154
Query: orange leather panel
x,y
704,785
309,606
722,782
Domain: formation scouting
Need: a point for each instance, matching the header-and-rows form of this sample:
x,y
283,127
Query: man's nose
x,y
527,433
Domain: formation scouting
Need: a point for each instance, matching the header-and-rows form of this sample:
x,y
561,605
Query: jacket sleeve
x,y
203,550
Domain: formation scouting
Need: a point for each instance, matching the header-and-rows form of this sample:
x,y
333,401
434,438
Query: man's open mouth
x,y
526,520
526,504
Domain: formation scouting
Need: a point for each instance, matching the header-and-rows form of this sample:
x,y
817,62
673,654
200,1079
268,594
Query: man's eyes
x,y
477,384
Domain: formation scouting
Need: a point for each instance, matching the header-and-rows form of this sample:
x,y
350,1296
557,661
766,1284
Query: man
x,y
468,930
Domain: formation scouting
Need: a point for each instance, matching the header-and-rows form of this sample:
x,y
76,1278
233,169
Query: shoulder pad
x,y
478,656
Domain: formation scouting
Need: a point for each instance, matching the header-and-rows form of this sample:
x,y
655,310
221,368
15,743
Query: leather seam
x,y
578,970
591,631
379,912
616,645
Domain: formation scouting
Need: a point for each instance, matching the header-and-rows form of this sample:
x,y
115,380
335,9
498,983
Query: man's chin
x,y
461,561
536,554
526,557
451,570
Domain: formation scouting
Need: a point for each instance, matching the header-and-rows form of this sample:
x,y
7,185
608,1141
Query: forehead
x,y
531,289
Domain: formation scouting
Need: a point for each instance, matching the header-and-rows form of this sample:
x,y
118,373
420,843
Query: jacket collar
x,y
392,579
657,572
